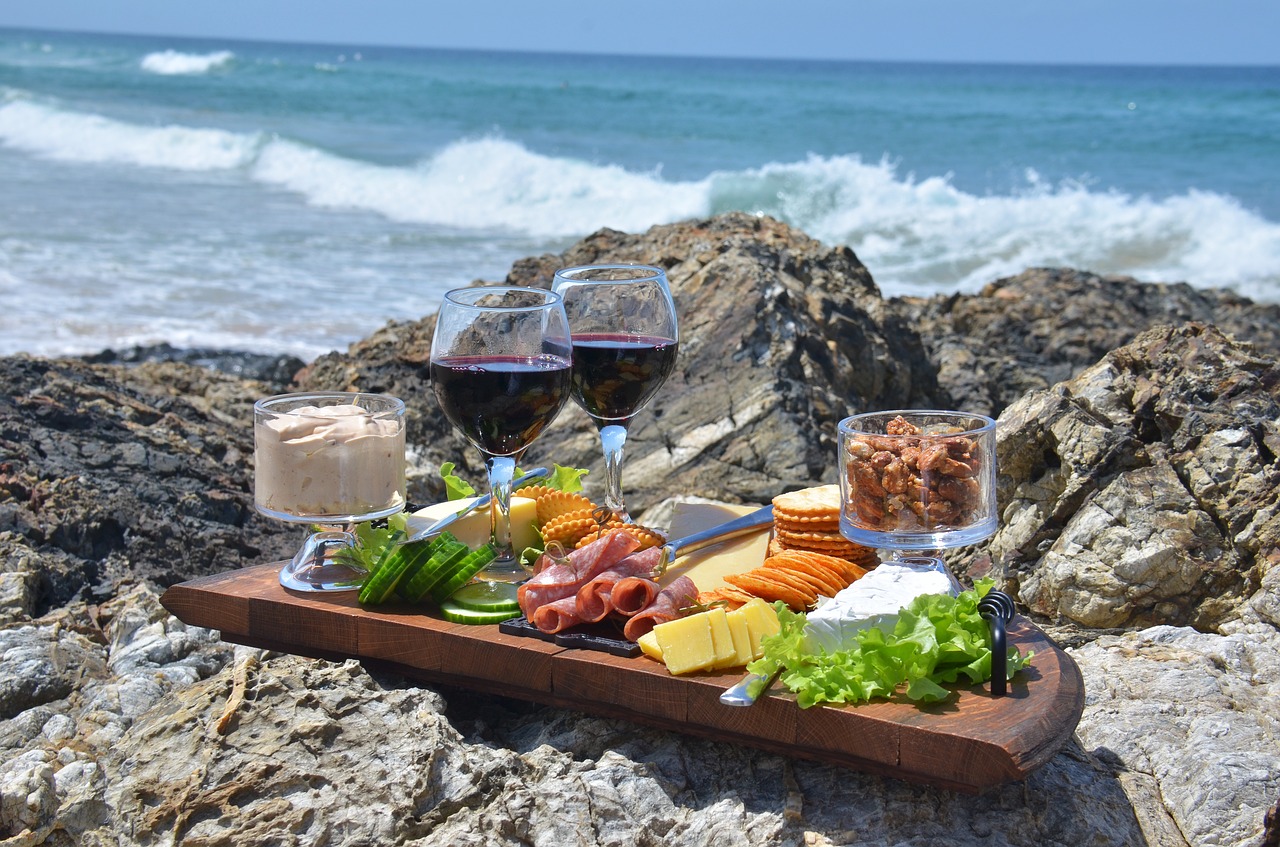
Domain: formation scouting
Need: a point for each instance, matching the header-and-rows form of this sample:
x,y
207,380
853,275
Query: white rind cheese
x,y
874,600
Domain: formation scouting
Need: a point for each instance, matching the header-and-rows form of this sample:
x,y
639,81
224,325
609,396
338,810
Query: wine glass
x,y
625,341
333,459
500,370
916,482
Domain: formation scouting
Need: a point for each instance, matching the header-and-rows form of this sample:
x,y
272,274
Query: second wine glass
x,y
500,371
625,340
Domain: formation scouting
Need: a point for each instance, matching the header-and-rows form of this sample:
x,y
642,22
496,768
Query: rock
x,y
112,475
1193,715
275,370
1145,490
1046,325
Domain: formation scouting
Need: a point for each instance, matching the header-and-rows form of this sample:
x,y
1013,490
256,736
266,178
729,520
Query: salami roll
x,y
665,607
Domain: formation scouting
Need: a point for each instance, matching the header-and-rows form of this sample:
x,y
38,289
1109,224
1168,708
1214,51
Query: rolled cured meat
x,y
557,615
560,579
665,607
596,599
633,595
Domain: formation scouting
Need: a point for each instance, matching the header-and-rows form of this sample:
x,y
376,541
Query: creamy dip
x,y
340,461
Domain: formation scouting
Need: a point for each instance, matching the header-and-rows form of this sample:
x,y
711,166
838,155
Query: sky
x,y
1191,32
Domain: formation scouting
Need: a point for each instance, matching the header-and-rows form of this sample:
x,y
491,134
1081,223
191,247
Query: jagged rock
x,y
1188,717
1045,325
110,475
1146,490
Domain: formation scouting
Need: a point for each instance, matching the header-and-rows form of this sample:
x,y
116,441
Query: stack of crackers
x,y
807,558
809,519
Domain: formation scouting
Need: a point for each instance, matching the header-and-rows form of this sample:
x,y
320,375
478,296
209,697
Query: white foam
x,y
80,137
925,235
486,184
171,62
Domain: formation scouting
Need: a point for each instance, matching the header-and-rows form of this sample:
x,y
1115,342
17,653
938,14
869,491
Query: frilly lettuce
x,y
938,640
561,478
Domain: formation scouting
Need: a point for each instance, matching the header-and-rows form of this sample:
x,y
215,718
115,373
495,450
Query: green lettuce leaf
x,y
455,486
938,640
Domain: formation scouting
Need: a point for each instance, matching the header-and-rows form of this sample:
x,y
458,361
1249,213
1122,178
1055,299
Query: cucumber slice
x,y
379,585
438,568
461,614
462,573
487,597
425,549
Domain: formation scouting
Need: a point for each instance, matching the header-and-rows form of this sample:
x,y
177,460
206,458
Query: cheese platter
x,y
969,742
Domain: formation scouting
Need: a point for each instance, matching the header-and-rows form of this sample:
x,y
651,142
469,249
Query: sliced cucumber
x,y
379,585
436,569
462,573
487,597
424,550
461,614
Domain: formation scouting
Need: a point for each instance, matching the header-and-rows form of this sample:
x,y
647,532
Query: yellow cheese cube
x,y
741,634
649,646
721,638
762,620
474,529
686,644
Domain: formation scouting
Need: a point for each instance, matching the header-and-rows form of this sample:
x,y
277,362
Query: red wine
x,y
500,403
614,375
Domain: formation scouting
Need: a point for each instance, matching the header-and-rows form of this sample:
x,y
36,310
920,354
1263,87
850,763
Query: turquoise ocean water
x,y
289,198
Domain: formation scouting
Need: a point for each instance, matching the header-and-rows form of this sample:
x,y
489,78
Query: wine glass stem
x,y
613,438
502,470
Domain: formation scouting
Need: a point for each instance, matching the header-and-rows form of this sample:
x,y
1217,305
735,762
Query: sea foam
x,y
171,62
80,137
917,235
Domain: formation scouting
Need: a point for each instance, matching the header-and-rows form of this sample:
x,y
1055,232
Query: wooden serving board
x,y
968,744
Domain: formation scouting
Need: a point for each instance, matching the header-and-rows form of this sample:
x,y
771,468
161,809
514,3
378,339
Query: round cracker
x,y
819,500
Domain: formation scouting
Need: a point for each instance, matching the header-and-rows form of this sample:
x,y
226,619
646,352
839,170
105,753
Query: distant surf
x,y
171,62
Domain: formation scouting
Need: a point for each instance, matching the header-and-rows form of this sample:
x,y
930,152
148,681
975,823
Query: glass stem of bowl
x,y
613,438
502,470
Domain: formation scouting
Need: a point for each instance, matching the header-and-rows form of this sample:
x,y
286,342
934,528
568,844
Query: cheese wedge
x,y
473,530
649,646
687,644
721,638
762,620
708,567
741,635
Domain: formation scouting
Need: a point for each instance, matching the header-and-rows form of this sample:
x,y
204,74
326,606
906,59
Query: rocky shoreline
x,y
1139,435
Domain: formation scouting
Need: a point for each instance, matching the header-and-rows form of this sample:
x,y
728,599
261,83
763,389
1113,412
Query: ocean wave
x,y
80,137
917,235
171,62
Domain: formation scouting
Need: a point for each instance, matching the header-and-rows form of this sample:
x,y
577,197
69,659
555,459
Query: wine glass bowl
x,y
332,459
499,369
917,480
625,342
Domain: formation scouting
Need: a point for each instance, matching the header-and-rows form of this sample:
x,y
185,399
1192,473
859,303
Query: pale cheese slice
x,y
721,638
474,529
708,567
741,635
686,643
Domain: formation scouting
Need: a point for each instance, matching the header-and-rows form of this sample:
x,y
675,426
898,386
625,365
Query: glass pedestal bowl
x,y
916,482
330,460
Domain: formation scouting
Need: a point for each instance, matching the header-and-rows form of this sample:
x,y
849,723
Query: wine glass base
x,y
508,571
315,569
